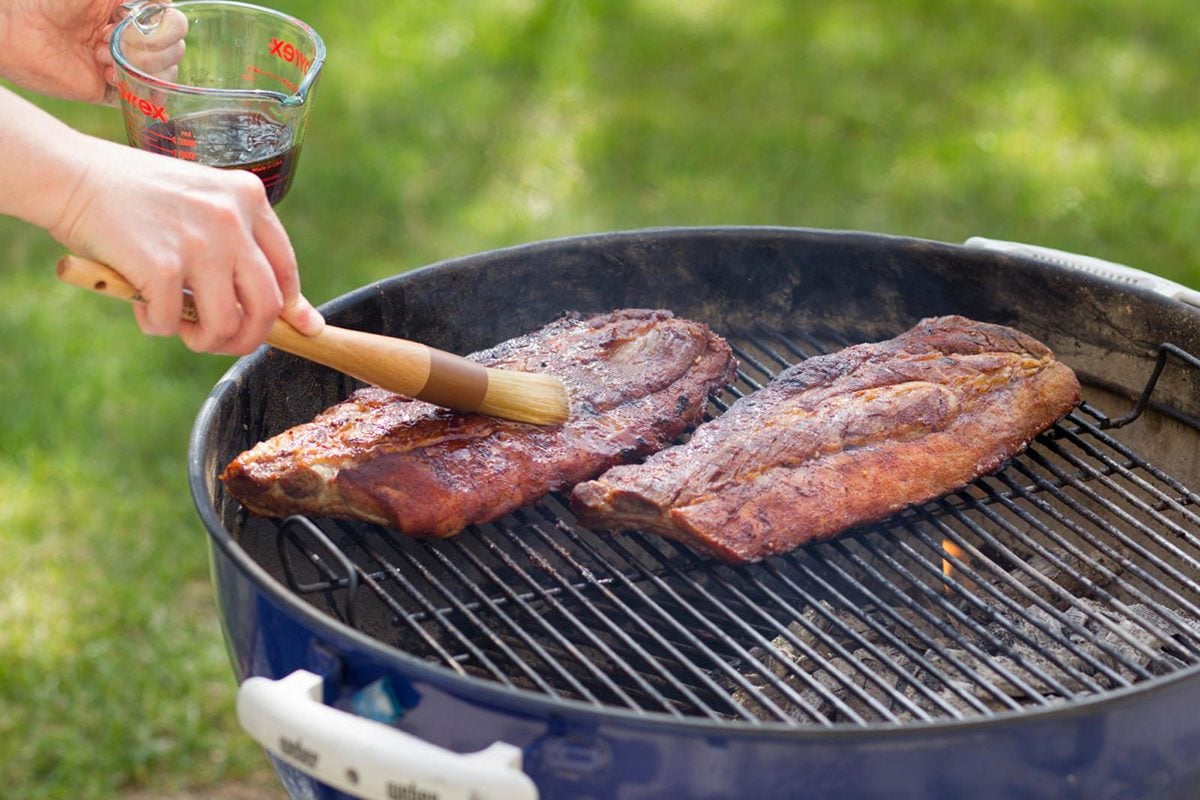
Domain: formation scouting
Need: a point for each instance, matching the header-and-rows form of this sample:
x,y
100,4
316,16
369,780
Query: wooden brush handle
x,y
398,365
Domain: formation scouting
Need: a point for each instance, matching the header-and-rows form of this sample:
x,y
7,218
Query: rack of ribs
x,y
636,379
840,440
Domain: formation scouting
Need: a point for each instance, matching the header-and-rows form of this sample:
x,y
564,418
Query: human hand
x,y
153,45
60,47
169,225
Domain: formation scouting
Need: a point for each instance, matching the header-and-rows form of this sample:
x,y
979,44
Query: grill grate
x,y
1072,571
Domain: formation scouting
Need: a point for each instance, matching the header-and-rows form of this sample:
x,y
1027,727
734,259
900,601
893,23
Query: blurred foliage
x,y
441,129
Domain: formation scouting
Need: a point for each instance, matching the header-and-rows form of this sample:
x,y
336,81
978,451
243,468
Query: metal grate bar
x,y
520,632
746,357
798,354
902,600
1187,497
882,631
1000,577
937,600
439,614
550,599
972,599
623,587
571,592
1166,501
1018,563
1119,578
746,657
634,590
754,577
714,605
330,581
1131,568
1128,565
607,651
435,646
1066,547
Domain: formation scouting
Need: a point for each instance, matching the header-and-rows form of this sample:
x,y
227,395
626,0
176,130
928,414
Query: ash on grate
x,y
871,666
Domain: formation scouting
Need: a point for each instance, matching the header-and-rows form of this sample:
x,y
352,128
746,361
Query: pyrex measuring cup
x,y
236,95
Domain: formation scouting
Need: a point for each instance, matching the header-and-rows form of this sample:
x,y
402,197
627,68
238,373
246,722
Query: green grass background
x,y
442,129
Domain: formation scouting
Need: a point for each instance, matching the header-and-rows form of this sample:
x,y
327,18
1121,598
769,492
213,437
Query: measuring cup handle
x,y
147,14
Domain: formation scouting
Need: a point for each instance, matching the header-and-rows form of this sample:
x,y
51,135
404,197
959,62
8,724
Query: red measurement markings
x,y
275,172
270,175
252,70
164,139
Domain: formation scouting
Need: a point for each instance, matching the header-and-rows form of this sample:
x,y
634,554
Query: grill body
x,y
1143,743
1121,738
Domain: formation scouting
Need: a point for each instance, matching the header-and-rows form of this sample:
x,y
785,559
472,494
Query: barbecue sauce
x,y
231,140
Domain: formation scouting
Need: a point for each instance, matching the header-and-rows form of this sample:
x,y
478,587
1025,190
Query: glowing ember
x,y
954,551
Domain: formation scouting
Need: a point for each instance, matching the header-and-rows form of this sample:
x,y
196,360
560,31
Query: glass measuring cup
x,y
236,95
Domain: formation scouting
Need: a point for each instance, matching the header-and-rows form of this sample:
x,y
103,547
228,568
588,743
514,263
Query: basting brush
x,y
398,365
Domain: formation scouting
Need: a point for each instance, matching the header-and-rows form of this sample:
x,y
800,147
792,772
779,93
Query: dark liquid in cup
x,y
230,140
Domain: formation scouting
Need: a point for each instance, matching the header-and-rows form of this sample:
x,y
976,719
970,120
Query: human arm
x,y
166,224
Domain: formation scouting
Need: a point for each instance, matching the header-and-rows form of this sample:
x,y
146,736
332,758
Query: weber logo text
x,y
295,749
408,791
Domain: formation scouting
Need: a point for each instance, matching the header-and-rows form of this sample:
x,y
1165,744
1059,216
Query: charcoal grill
x,y
1036,634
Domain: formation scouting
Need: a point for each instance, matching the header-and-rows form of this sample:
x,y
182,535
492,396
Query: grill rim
x,y
202,482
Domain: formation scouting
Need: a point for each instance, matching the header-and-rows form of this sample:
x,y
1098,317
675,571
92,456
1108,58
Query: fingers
x,y
236,307
163,292
261,301
277,247
170,226
170,31
236,316
233,288
162,64
157,52
221,327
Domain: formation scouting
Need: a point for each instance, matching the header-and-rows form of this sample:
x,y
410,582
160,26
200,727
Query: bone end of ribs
x,y
842,440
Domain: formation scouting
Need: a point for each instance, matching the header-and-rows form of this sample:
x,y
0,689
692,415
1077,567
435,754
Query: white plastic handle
x,y
1095,266
368,759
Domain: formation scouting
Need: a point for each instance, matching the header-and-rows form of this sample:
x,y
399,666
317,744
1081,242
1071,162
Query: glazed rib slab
x,y
636,380
841,440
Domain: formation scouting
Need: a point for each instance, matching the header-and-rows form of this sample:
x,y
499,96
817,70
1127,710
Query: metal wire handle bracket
x,y
1113,272
333,581
1165,349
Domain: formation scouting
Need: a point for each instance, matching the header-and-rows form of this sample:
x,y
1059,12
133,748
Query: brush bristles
x,y
525,397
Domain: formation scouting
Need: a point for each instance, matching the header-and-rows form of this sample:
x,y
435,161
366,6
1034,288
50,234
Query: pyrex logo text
x,y
141,104
289,53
